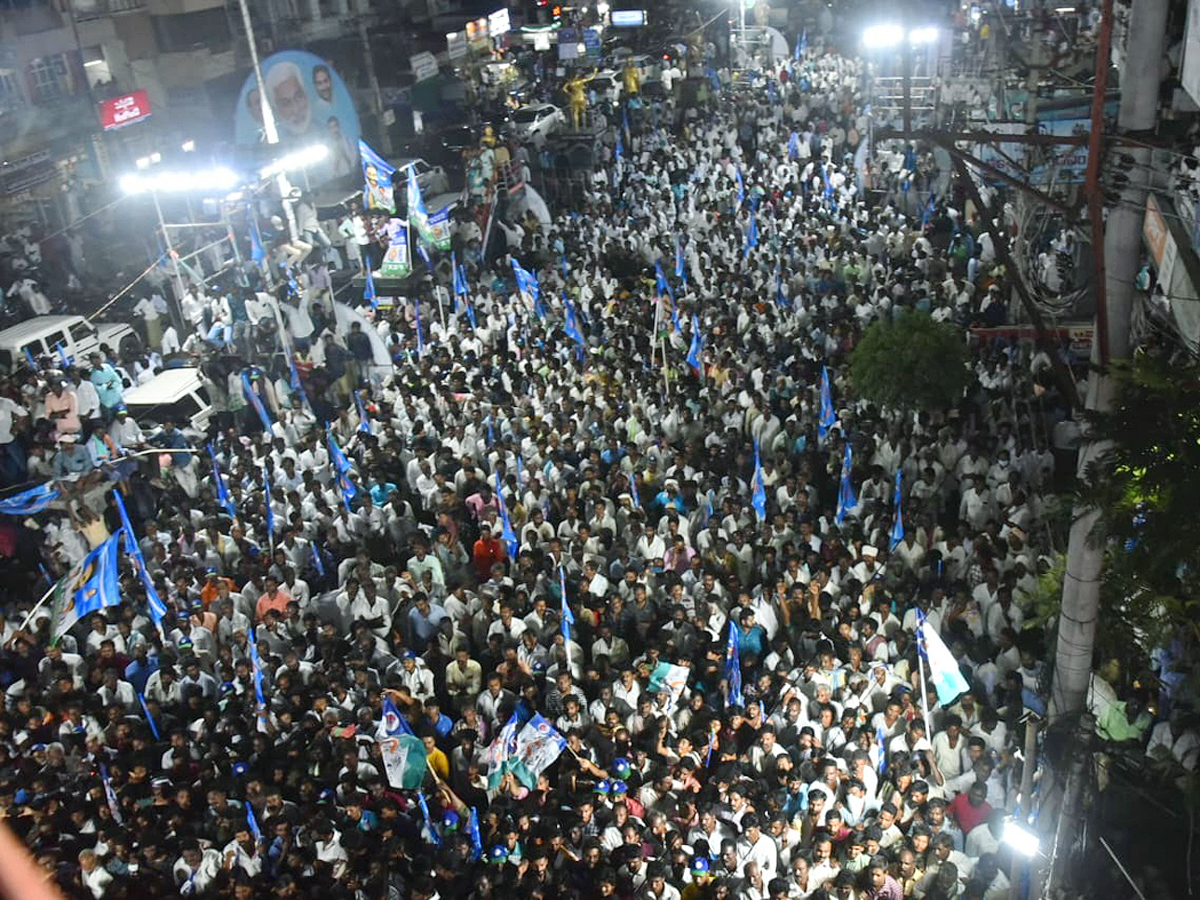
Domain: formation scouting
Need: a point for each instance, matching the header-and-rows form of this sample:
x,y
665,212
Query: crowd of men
x,y
136,759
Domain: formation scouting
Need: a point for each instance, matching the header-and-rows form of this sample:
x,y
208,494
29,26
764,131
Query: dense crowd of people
x,y
599,437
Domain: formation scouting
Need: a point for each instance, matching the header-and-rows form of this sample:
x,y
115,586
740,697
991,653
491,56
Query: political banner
x,y
669,679
396,260
377,180
440,228
403,761
538,745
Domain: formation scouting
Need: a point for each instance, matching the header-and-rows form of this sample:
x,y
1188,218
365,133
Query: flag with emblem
x,y
403,752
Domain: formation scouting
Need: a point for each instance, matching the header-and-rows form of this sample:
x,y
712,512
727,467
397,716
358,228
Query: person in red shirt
x,y
970,808
488,551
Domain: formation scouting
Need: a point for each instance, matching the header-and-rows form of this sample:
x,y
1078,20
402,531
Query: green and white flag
x,y
669,679
404,761
499,753
538,745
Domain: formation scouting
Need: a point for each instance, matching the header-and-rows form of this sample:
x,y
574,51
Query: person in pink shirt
x,y
62,408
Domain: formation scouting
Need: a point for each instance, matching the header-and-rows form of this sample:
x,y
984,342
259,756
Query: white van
x,y
180,395
42,335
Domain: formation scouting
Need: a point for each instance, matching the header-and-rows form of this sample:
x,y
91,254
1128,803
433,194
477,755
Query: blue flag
x,y
751,234
424,254
801,45
433,835
527,283
780,300
62,355
154,603
394,724
507,534
29,358
846,497
473,834
733,667
369,290
149,718
252,823
257,253
270,509
898,524
927,212
471,315
741,187
758,498
30,501
256,668
571,325
317,563
296,384
223,497
364,421
793,147
562,264
660,281
568,617
881,737
341,465
826,418
256,402
680,268
460,277
696,350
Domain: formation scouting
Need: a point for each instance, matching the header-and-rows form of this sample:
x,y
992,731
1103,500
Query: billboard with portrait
x,y
311,105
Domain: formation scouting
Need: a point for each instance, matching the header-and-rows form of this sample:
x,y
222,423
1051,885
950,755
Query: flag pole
x,y
924,690
39,605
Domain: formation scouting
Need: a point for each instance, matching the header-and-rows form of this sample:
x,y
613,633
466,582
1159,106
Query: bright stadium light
x,y
219,179
880,37
301,159
1020,839
919,36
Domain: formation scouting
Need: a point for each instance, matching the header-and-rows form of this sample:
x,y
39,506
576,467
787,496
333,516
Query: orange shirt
x,y
278,603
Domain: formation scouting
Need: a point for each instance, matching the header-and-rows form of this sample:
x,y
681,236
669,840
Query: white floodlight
x,y
1020,839
879,37
301,159
919,36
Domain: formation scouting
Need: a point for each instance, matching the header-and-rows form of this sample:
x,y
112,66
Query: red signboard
x,y
124,110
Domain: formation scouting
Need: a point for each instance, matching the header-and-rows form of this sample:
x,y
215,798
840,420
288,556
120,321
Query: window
x,y
82,331
50,76
10,90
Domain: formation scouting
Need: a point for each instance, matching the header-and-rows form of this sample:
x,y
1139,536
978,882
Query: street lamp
x,y
1022,840
881,37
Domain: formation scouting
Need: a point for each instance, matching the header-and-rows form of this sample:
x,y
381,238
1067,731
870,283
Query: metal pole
x,y
268,117
173,257
364,39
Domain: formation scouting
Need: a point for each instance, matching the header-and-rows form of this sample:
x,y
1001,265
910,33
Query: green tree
x,y
911,363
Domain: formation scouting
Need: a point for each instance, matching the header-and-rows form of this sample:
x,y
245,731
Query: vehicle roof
x,y
165,387
25,331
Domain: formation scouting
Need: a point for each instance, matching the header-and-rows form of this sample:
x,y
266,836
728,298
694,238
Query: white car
x,y
609,84
537,122
75,335
431,179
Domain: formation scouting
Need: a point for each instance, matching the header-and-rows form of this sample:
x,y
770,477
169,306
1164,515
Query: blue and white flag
x,y
780,299
733,666
30,501
63,359
369,290
568,617
826,418
404,757
695,355
847,499
92,585
256,669
535,749
111,796
793,147
364,421
471,315
473,834
318,564
527,282
257,253
881,749
898,525
341,465
680,267
296,384
758,498
801,45
947,678
256,402
434,837
740,186
424,254
927,212
154,603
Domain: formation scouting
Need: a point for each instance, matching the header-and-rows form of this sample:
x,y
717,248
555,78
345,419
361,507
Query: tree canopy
x,y
910,363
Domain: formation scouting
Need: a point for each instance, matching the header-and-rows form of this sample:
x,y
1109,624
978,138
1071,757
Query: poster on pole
x,y
396,262
377,180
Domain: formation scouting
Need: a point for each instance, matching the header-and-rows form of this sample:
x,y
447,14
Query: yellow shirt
x,y
440,764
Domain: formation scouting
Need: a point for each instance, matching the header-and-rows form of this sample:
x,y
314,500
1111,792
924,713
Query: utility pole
x,y
1117,266
1121,251
385,137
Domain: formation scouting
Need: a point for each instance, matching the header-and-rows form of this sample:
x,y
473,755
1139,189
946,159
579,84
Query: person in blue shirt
x,y
139,670
669,497
107,383
752,639
442,724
